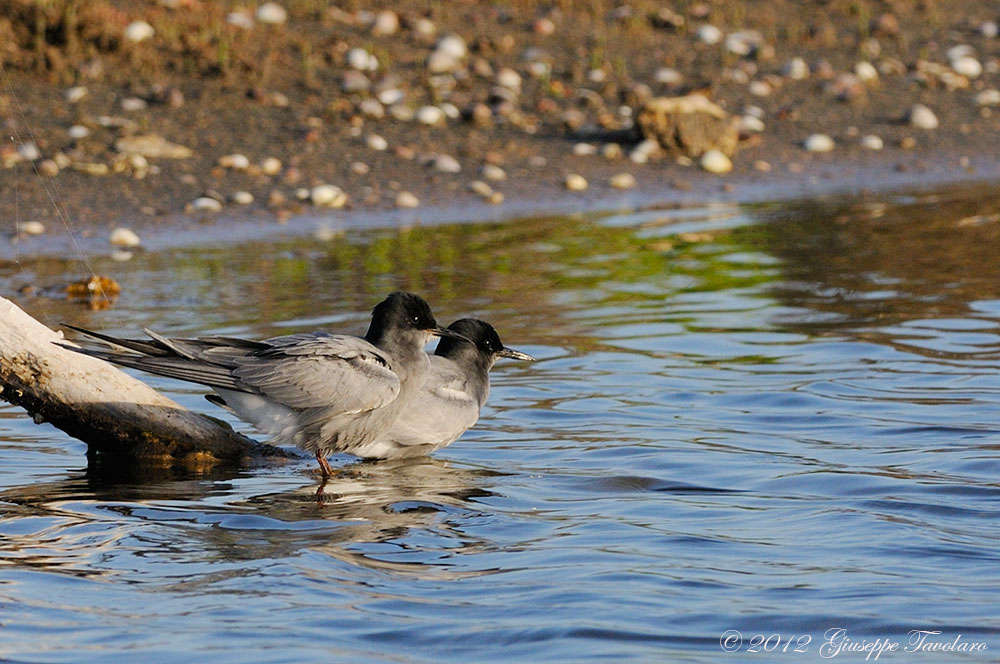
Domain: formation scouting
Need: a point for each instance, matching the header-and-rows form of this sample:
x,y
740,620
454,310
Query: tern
x,y
453,392
324,393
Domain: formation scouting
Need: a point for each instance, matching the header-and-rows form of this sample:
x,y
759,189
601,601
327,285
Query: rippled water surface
x,y
777,419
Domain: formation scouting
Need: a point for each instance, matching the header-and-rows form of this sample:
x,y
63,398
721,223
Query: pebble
x,y
668,76
328,195
922,117
584,149
866,72
402,113
575,182
132,104
989,97
241,197
444,163
376,142
272,13
124,237
481,188
611,151
872,142
78,131
75,94
270,166
452,45
743,42
372,108
622,181
796,69
493,172
360,168
153,146
967,66
430,115
391,96
138,31
48,168
509,79
641,153
205,204
361,60
450,110
989,29
240,19
237,162
762,166
715,161
29,151
751,124
405,199
709,34
31,228
819,143
441,63
760,88
354,81
386,23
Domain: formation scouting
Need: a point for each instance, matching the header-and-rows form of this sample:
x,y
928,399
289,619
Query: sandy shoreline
x,y
574,79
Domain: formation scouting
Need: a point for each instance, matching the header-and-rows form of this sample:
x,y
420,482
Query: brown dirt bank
x,y
539,78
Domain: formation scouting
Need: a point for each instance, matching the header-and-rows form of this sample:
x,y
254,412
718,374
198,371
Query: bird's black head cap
x,y
400,311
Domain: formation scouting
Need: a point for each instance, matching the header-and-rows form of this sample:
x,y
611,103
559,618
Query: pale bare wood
x,y
114,413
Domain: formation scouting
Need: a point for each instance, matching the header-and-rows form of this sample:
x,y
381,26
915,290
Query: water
x,y
778,419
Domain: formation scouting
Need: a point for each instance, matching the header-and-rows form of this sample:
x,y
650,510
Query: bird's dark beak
x,y
451,334
515,355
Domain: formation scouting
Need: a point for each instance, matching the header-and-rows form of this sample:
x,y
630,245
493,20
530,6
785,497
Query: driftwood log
x,y
115,414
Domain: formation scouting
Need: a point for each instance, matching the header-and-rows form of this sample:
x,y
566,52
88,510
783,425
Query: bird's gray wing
x,y
443,409
315,370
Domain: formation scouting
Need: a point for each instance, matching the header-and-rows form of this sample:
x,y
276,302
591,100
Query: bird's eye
x,y
415,320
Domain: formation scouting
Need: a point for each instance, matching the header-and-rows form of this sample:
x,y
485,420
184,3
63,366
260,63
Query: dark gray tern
x,y
452,395
324,393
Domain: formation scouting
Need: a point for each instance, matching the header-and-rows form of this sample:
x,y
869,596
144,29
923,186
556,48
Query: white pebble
x,y
405,199
237,162
131,104
206,204
31,227
391,96
967,66
452,45
584,149
124,237
622,181
376,142
493,172
242,197
270,166
751,124
78,131
240,19
75,94
444,163
866,72
989,29
872,142
668,76
709,34
509,79
819,143
450,110
360,168
29,151
989,97
302,193
138,31
714,161
796,69
362,60
272,13
760,88
328,195
575,182
922,117
386,23
430,115
481,188
959,51
440,63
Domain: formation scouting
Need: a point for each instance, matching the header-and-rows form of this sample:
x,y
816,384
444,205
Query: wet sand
x,y
539,87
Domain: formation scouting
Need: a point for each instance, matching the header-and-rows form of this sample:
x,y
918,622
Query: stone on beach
x,y
922,117
124,237
575,182
715,161
153,146
689,125
819,143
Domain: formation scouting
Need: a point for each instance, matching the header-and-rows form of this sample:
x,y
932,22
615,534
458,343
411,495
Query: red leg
x,y
324,465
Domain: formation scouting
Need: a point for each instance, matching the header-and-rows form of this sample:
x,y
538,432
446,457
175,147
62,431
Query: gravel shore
x,y
154,115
